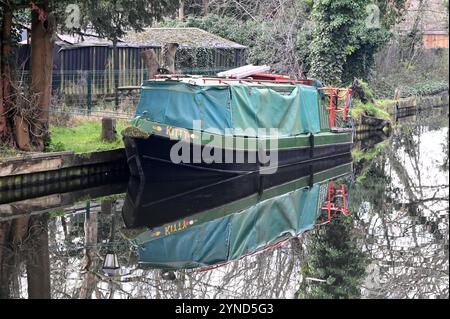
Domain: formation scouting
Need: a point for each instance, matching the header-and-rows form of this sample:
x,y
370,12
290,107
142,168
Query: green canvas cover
x,y
179,104
263,107
235,235
292,109
199,245
261,225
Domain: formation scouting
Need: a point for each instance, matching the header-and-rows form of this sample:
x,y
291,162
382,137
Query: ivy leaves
x,y
334,37
344,45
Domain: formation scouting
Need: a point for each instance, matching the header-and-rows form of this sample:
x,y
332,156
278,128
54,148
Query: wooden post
x,y
181,10
90,258
397,93
107,206
116,75
108,129
89,93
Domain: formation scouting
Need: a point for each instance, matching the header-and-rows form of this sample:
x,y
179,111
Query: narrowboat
x,y
198,127
229,228
153,203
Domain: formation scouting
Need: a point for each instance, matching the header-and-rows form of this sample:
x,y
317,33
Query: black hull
x,y
151,204
149,159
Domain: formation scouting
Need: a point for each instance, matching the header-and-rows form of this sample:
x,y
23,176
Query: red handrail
x,y
279,81
330,205
337,102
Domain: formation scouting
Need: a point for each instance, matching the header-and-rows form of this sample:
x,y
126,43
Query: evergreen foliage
x,y
334,28
112,18
334,257
344,41
325,39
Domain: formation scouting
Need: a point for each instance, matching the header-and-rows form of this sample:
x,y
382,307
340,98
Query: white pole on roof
x,y
244,71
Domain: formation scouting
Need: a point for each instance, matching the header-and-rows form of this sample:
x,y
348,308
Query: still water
x,y
244,237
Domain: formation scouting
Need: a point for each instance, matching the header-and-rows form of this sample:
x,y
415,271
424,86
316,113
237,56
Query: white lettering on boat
x,y
235,146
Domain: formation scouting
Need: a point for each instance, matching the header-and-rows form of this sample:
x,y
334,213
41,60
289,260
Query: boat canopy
x,y
235,235
232,107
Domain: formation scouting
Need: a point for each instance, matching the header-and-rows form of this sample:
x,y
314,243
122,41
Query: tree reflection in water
x,y
399,206
402,210
78,242
24,258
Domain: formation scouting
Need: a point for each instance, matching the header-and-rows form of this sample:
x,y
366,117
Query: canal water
x,y
112,237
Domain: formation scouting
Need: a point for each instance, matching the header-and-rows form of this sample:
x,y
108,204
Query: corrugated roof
x,y
185,37
68,40
155,37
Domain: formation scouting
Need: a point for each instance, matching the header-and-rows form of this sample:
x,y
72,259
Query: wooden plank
x,y
58,200
244,71
27,167
130,87
54,161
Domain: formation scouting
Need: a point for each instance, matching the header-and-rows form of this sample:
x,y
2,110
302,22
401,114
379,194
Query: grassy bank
x,y
382,107
6,151
371,106
84,137
363,159
370,109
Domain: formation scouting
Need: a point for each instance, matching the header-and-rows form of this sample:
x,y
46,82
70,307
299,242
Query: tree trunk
x,y
181,10
5,257
169,52
3,122
205,7
38,261
5,79
21,228
22,131
41,70
151,63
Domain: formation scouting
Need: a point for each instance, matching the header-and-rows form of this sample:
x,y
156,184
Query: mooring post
x,y
108,129
107,206
89,92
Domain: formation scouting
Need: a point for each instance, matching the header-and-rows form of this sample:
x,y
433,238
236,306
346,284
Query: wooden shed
x,y
83,64
435,39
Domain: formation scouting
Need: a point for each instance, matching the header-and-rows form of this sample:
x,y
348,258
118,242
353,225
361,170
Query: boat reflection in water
x,y
211,222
